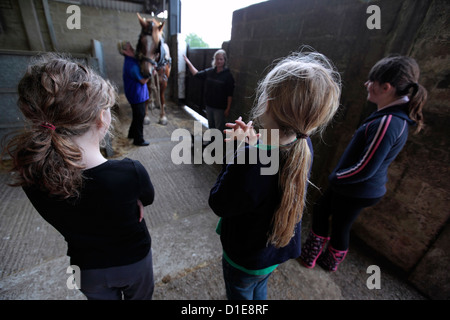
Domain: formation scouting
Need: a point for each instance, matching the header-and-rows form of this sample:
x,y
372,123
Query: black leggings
x,y
136,131
343,211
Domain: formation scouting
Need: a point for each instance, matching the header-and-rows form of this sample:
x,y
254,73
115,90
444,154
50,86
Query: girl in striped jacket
x,y
359,179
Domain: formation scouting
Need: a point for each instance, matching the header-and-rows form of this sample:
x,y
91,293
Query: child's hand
x,y
241,131
141,210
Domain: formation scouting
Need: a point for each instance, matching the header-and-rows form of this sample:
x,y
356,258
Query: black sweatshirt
x,y
218,87
102,227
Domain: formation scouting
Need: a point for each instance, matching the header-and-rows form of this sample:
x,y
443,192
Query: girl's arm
x,y
378,137
147,192
240,188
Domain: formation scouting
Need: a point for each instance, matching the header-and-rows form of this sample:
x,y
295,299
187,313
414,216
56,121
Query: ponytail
x,y
416,103
60,100
47,160
301,94
293,181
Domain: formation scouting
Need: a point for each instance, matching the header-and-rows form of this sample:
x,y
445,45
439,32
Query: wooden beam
x,y
31,23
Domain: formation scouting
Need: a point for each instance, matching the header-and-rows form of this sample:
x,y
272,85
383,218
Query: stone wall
x,y
410,225
414,215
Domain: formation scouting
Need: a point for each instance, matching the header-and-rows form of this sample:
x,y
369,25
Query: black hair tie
x,y
301,136
415,87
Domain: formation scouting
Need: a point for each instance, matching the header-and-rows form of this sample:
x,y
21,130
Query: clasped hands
x,y
242,132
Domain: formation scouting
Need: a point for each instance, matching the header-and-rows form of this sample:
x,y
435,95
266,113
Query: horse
x,y
155,61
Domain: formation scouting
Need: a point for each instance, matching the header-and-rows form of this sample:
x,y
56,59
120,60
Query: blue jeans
x,y
240,285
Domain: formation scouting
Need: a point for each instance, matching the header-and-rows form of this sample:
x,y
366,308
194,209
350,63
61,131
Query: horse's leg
x,y
147,118
154,91
162,88
147,103
162,119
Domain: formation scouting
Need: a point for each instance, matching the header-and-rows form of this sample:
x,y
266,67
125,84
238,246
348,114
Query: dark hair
x,y
403,74
60,99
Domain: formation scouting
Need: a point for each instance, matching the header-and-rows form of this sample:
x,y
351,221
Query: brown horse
x,y
155,61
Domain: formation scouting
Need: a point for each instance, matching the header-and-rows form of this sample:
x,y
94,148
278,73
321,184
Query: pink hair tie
x,y
48,125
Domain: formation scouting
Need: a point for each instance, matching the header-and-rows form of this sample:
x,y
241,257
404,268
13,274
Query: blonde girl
x,y
261,214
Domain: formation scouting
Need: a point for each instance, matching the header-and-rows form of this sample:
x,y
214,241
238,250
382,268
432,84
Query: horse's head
x,y
149,43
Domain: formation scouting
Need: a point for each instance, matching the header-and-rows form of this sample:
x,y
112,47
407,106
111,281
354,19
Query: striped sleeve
x,y
369,152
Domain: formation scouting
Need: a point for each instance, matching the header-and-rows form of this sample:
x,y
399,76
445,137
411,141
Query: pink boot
x,y
331,259
312,249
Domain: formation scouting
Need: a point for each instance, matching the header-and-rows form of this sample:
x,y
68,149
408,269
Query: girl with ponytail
x,y
359,179
261,214
95,203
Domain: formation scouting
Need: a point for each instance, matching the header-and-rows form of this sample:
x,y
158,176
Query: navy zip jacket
x,y
247,202
362,170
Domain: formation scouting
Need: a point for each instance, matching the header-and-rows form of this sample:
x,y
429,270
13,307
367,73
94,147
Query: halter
x,y
142,57
162,54
162,61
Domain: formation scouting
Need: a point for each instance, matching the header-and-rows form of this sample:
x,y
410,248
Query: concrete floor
x,y
186,249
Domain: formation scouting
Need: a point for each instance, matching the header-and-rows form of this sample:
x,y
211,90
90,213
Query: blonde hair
x,y
301,93
223,53
122,46
60,99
